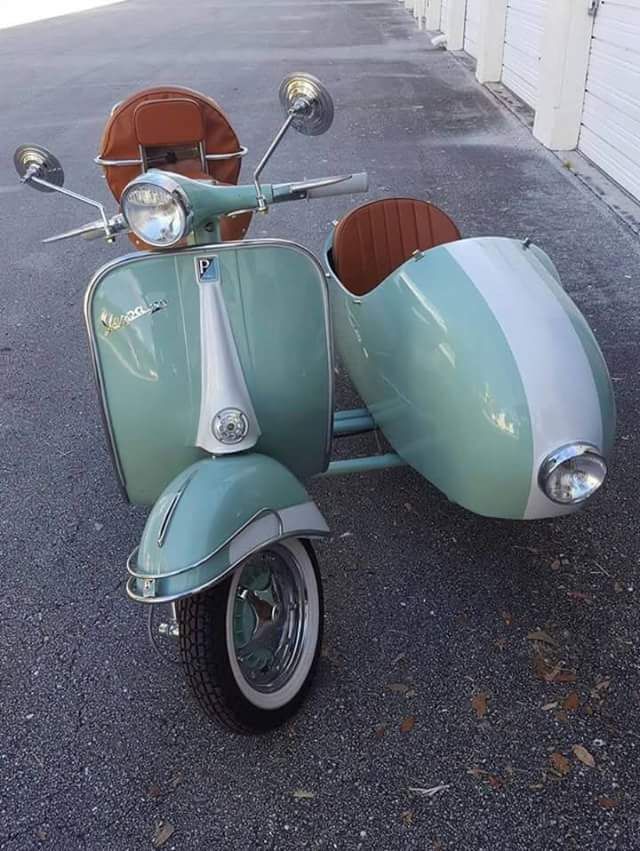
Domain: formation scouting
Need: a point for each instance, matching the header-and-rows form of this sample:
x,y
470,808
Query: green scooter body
x,y
142,313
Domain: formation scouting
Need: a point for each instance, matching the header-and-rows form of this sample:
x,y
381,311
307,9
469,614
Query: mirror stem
x,y
262,204
98,206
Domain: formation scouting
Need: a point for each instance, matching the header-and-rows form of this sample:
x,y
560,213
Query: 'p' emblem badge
x,y
208,269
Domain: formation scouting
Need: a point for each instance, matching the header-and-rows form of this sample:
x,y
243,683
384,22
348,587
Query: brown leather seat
x,y
374,239
172,128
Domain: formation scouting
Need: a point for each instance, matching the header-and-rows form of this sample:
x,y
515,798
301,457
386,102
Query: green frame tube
x,y
363,465
352,422
349,414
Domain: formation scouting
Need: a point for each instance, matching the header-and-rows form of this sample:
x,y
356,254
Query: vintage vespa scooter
x,y
214,364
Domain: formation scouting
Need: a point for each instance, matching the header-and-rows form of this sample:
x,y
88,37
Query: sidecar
x,y
471,358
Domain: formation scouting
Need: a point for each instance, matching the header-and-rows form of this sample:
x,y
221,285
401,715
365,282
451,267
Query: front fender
x,y
211,517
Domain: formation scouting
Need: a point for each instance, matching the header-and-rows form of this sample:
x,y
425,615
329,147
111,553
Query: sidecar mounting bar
x,y
363,465
356,421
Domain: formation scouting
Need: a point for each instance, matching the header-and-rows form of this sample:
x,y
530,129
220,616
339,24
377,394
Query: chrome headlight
x,y
157,209
572,473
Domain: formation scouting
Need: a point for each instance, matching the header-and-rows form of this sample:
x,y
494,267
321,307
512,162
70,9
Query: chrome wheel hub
x,y
269,619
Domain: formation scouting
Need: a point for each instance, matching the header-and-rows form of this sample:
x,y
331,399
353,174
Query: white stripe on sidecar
x,y
517,289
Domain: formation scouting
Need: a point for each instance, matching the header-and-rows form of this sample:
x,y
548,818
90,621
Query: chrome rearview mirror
x,y
38,167
309,110
305,98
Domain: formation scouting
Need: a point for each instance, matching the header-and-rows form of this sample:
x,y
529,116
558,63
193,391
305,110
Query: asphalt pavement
x,y
430,676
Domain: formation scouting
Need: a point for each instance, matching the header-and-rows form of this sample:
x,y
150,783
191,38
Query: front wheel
x,y
250,645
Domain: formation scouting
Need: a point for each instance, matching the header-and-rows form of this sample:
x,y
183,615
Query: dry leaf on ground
x,y
541,635
579,596
479,704
507,617
560,763
408,724
154,791
548,706
581,753
303,795
487,777
397,688
164,831
571,701
379,730
557,674
607,803
407,817
562,676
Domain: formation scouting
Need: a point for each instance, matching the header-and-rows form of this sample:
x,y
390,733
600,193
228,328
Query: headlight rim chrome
x,y
161,180
559,457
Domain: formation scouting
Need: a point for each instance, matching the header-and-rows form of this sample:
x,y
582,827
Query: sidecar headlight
x,y
157,210
572,473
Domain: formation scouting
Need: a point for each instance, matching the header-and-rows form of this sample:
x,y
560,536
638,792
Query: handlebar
x,y
214,200
324,187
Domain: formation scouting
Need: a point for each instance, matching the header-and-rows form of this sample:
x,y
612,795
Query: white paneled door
x,y
443,14
523,47
472,26
610,132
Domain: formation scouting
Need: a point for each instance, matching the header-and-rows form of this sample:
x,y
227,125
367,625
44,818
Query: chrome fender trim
x,y
265,527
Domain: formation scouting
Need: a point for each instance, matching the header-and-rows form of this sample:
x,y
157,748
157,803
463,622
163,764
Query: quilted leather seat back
x,y
374,239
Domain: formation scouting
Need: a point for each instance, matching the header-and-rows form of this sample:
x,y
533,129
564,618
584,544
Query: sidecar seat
x,y
374,239
177,130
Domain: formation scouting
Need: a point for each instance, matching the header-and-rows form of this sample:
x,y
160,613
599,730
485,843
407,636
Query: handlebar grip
x,y
353,184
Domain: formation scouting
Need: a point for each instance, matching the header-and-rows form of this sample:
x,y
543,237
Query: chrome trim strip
x,y
199,249
203,156
169,598
99,161
210,157
263,512
166,521
231,156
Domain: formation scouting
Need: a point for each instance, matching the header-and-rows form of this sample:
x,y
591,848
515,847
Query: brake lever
x,y
94,230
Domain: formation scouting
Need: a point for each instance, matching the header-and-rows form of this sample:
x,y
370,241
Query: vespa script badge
x,y
113,322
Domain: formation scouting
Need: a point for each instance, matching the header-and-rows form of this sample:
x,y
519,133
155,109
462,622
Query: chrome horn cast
x,y
304,96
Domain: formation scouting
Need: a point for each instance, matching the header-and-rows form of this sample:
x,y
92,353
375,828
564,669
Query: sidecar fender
x,y
211,517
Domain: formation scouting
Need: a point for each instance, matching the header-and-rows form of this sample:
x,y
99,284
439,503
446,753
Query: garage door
x,y
610,133
472,27
523,47
443,14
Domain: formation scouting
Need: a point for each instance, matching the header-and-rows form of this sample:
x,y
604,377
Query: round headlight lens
x,y
572,473
156,214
